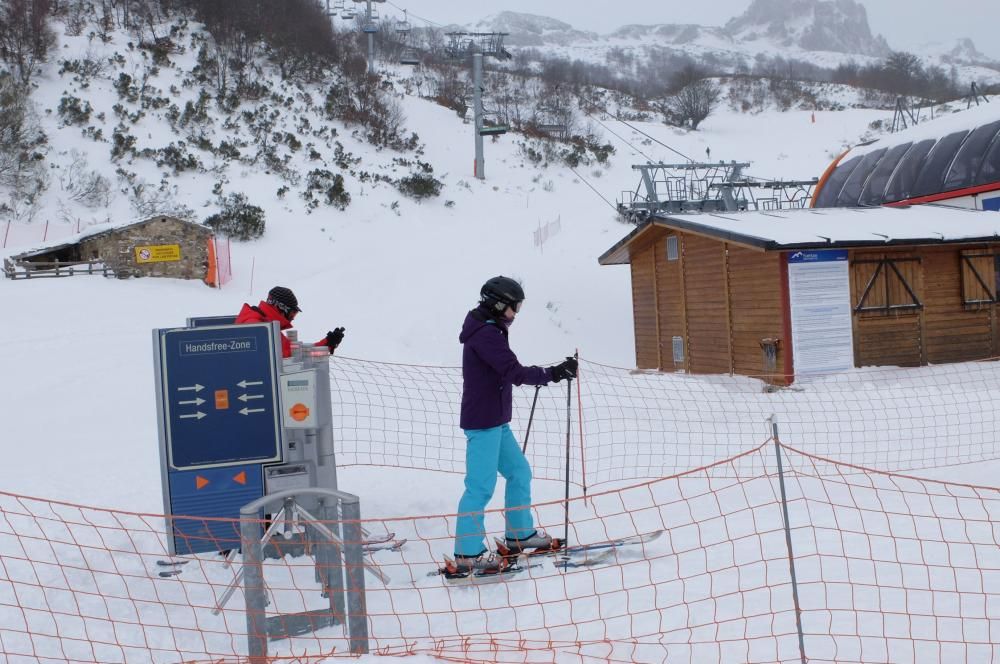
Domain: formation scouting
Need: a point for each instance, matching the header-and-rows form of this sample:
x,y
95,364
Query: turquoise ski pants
x,y
488,451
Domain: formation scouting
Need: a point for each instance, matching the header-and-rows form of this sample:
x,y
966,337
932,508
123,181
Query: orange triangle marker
x,y
241,477
200,482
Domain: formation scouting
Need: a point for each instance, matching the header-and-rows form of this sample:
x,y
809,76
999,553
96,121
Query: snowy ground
x,y
77,393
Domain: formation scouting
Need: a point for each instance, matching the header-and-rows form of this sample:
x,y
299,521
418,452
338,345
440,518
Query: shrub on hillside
x,y
238,219
328,185
420,186
74,111
177,157
361,101
122,143
125,88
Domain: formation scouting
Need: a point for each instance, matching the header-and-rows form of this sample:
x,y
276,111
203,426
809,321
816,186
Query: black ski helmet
x,y
284,300
501,292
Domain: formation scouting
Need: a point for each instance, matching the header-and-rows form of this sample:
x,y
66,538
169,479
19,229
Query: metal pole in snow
x,y
531,417
788,539
569,410
6,233
45,234
253,264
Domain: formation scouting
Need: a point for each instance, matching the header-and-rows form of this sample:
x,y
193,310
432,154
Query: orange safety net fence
x,y
889,567
630,425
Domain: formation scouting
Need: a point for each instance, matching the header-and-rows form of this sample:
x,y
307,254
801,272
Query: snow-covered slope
x,y
398,274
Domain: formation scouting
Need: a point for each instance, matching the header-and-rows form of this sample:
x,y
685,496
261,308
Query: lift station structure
x,y
708,187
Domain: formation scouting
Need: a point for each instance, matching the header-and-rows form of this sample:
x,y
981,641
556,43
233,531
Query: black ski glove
x,y
333,338
565,369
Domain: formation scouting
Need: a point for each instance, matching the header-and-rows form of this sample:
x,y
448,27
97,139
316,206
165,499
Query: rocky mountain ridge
x,y
822,32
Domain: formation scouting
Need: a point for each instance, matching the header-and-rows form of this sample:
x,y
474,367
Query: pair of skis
x,y
512,563
172,567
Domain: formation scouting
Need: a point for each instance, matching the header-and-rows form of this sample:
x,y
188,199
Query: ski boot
x,y
485,564
536,543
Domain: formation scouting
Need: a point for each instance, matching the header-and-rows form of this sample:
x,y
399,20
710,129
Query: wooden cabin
x,y
786,293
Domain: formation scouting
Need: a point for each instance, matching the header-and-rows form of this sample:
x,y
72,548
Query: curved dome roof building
x,y
954,160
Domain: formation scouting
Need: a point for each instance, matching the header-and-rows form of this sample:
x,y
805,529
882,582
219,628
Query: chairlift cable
x,y
592,188
419,18
621,138
653,139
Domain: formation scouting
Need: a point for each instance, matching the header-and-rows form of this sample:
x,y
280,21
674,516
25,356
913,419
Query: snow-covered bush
x,y
177,157
125,88
420,186
122,143
238,219
73,110
329,186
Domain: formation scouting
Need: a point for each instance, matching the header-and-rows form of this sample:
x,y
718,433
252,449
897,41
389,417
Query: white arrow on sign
x,y
246,383
192,402
192,388
246,397
247,411
195,416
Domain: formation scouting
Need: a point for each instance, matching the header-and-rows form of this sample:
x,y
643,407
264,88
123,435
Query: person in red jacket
x,y
281,305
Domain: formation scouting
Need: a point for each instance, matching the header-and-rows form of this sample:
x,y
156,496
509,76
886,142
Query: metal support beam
x,y
371,37
477,104
350,547
788,539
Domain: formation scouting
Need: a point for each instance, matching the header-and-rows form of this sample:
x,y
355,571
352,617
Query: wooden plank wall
x,y
670,300
644,308
688,298
944,330
756,308
705,304
954,332
886,339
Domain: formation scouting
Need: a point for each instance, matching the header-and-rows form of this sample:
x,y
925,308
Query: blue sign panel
x,y
992,204
219,392
821,256
209,321
210,500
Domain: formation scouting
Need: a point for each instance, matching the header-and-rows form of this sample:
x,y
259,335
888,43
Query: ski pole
x,y
531,416
569,410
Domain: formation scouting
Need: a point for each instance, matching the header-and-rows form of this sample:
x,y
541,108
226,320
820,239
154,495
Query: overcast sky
x,y
906,24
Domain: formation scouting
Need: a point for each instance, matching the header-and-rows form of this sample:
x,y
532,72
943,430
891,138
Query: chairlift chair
x,y
493,127
403,27
409,57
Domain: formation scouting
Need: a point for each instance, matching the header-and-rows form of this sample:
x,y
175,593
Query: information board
x,y
219,396
819,291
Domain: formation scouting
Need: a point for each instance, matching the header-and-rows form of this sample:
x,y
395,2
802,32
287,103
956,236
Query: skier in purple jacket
x,y
489,370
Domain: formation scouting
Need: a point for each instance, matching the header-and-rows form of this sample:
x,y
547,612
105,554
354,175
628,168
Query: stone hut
x,y
158,246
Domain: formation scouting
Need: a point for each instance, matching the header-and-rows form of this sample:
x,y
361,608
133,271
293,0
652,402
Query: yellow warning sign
x,y
158,253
